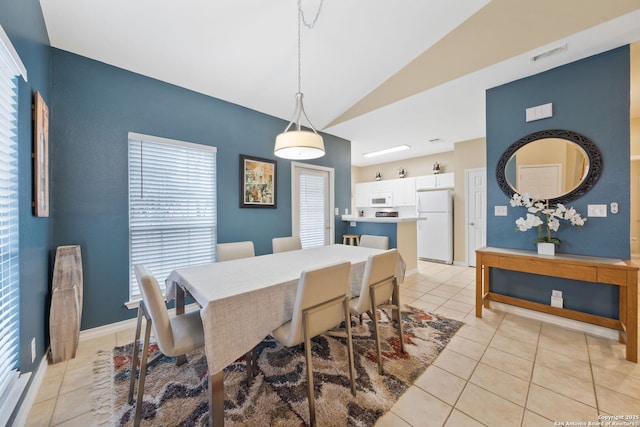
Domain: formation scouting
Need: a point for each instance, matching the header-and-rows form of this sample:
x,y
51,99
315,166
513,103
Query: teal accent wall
x,y
377,229
95,106
23,22
590,97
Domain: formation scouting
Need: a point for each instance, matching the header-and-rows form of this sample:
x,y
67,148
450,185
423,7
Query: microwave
x,y
381,200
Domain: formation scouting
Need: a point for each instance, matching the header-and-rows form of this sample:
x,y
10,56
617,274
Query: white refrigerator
x,y
435,227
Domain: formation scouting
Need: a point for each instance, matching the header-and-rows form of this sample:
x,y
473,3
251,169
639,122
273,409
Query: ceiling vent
x,y
549,53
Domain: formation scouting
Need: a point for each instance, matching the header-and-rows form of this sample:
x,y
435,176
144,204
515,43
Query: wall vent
x,y
549,53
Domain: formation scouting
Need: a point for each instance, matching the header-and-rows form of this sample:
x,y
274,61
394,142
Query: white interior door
x,y
476,209
540,181
312,203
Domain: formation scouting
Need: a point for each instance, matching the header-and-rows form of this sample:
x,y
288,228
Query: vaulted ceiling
x,y
377,72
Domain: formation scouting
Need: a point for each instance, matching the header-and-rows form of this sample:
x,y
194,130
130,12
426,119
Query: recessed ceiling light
x,y
387,151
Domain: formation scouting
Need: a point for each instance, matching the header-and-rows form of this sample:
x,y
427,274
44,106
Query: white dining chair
x,y
234,250
321,304
176,336
285,244
378,242
379,287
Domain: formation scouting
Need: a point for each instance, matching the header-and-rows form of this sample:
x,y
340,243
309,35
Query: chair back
x,y
321,292
155,308
234,250
285,244
378,242
380,268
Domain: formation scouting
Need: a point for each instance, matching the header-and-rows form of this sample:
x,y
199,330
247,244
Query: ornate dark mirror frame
x,y
595,162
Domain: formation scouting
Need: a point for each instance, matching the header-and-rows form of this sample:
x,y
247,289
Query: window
x,y
172,206
10,384
312,218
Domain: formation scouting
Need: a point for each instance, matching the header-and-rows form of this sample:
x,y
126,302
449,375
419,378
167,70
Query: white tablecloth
x,y
244,300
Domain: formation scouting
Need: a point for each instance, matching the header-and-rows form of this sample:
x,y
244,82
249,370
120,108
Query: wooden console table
x,y
588,269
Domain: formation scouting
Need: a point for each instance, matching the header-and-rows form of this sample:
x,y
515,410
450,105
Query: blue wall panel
x,y
23,22
96,105
377,229
590,97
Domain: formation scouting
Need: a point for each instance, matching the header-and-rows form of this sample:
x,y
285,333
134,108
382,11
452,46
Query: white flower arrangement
x,y
536,208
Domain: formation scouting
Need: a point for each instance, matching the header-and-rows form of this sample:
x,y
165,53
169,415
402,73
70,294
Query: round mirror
x,y
557,165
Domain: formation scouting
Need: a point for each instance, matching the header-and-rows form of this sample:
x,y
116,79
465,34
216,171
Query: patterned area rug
x,y
177,395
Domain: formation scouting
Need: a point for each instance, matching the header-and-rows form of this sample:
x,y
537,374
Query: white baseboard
x,y
123,325
587,328
32,393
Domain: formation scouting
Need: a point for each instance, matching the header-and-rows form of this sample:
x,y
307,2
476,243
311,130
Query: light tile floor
x,y
500,370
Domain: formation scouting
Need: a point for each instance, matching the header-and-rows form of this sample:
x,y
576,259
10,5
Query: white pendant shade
x,y
299,145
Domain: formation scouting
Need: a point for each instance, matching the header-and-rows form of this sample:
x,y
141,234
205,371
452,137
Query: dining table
x,y
241,301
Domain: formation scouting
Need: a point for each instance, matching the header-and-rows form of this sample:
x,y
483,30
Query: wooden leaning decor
x,y
66,303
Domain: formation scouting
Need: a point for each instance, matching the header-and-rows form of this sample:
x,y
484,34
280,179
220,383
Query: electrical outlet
x,y
556,299
33,349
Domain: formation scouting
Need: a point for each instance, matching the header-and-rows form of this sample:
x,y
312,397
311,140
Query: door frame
x,y
295,218
467,172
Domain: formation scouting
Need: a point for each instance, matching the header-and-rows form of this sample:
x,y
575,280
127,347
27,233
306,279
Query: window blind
x,y
313,189
9,268
172,206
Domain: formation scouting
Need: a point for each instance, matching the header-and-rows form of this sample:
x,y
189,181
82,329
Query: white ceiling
x,y
377,72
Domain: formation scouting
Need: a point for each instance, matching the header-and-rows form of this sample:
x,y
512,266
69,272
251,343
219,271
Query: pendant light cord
x,y
302,20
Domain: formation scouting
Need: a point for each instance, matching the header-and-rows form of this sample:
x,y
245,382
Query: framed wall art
x,y
257,182
40,157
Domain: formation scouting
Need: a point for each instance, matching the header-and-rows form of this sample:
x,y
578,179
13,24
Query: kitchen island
x,y
402,232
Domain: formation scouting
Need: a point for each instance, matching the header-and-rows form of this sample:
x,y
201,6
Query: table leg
x,y
486,286
179,299
632,316
216,399
478,285
182,359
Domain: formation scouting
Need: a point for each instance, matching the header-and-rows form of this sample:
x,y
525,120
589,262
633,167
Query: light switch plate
x,y
500,211
597,210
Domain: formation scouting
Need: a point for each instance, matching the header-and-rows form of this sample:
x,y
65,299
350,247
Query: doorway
x,y
312,190
475,212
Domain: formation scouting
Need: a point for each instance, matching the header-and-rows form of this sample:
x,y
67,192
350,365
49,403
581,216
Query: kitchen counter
x,y
392,220
402,233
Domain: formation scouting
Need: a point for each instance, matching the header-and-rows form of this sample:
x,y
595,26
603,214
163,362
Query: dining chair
x,y
378,242
234,250
175,336
379,286
284,244
321,304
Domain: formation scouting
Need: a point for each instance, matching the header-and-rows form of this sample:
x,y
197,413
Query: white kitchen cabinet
x,y
435,181
363,194
445,180
404,191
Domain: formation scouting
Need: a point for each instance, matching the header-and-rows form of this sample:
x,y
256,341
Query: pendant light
x,y
298,144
